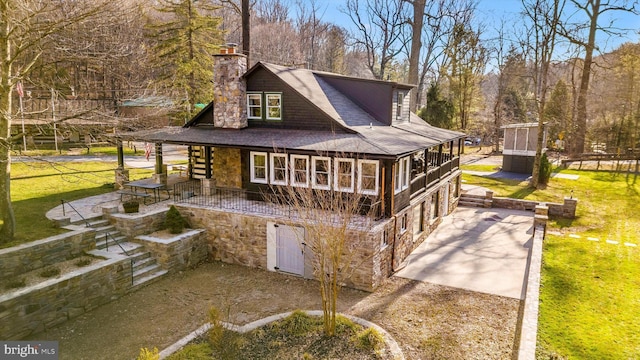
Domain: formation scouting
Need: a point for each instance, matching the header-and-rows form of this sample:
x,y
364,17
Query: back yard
x,y
591,265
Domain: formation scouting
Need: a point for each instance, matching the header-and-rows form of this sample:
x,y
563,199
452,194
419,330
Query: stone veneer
x,y
229,89
38,254
227,168
39,307
132,225
179,252
241,239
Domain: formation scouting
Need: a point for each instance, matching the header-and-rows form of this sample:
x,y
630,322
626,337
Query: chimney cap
x,y
230,44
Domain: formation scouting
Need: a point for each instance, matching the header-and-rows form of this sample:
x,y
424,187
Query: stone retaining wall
x,y
565,210
39,307
38,254
132,225
182,251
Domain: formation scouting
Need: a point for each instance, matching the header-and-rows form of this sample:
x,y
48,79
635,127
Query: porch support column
x,y
160,175
122,174
208,183
207,161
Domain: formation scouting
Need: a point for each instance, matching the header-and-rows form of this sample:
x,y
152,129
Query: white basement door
x,y
290,249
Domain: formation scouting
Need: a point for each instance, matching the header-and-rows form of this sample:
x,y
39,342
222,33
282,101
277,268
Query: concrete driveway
x,y
484,250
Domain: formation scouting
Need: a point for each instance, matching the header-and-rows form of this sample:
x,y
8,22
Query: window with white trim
x,y
300,170
403,172
279,169
368,180
259,167
321,170
274,106
344,171
399,103
254,106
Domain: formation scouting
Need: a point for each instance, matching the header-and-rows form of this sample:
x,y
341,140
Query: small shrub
x,y
545,170
226,344
298,323
174,221
344,324
194,351
82,262
16,284
50,272
369,339
146,354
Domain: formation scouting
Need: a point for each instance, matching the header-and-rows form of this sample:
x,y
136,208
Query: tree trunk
x,y
246,23
416,46
7,231
581,116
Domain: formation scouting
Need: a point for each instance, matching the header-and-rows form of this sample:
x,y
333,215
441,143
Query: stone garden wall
x,y
179,252
132,225
38,254
39,307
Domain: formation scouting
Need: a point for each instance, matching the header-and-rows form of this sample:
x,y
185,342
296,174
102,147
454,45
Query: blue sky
x,y
490,12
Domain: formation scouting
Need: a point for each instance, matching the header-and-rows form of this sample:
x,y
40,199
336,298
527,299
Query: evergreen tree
x,y
186,35
438,111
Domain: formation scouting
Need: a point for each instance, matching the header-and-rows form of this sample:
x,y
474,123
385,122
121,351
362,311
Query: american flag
x,y
19,89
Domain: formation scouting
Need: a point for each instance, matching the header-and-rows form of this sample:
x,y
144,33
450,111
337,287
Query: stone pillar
x,y
160,176
488,199
208,185
122,177
540,218
569,208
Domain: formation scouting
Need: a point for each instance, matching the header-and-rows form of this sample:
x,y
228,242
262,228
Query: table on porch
x,y
145,186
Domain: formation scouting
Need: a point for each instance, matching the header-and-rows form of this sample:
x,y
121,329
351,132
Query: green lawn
x,y
37,187
589,300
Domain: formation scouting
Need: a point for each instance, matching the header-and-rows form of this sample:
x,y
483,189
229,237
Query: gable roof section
x,y
365,134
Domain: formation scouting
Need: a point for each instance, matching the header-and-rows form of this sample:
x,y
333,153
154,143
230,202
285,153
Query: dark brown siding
x,y
297,112
375,98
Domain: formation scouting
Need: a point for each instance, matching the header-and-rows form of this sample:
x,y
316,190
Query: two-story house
x,y
272,126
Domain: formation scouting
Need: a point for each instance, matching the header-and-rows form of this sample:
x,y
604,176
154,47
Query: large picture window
x,y
274,106
321,169
344,170
368,180
254,106
403,172
259,167
279,167
300,170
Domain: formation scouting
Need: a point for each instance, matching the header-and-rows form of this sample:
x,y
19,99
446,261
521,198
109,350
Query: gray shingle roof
x,y
369,137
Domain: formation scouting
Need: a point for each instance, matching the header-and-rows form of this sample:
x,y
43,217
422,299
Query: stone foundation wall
x,y
133,225
231,237
180,252
38,254
52,302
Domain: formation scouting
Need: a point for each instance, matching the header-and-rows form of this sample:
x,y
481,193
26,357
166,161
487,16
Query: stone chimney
x,y
229,89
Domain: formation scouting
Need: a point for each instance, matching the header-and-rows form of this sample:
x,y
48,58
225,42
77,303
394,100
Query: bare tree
x,y
26,29
336,228
592,9
379,31
545,17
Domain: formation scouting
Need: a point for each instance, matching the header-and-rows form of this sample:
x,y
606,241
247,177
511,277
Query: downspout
x,y
393,216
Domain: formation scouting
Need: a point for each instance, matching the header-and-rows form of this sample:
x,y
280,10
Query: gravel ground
x,y
428,321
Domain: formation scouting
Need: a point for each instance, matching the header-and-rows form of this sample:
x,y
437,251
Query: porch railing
x,y
194,193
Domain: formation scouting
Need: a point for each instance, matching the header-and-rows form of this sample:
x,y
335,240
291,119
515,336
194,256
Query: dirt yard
x,y
428,321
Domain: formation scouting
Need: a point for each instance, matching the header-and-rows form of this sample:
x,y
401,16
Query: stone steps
x,y
470,200
144,266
